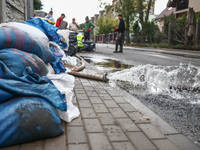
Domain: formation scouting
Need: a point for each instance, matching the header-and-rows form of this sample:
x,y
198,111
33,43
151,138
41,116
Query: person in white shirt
x,y
74,25
50,16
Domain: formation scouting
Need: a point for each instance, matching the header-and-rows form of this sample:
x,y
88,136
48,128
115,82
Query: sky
x,y
79,9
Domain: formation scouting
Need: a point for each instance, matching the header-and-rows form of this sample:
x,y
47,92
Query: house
x,y
182,6
160,18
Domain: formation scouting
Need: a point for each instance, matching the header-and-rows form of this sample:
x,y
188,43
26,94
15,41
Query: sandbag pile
x,y
29,101
73,49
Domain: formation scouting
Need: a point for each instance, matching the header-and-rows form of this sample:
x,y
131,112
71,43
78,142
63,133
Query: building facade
x,y
182,6
15,10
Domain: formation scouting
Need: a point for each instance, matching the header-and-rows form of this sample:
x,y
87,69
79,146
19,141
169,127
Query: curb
x,y
183,54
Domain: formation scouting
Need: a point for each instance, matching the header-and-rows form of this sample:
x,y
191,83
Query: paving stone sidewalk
x,y
107,122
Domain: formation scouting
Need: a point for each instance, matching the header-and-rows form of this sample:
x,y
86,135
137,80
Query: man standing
x,y
88,26
50,16
74,25
59,20
120,35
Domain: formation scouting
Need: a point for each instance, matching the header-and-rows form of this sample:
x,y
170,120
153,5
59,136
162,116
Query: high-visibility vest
x,y
79,40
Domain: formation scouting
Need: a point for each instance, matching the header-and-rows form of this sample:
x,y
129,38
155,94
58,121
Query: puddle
x,y
107,65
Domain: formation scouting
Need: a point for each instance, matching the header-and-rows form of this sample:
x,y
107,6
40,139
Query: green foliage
x,y
149,31
81,26
37,4
136,32
106,24
177,28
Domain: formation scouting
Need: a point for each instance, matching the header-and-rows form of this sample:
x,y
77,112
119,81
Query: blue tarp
x,y
46,28
31,84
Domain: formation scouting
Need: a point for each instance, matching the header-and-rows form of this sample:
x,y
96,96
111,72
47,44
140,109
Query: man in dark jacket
x,y
120,35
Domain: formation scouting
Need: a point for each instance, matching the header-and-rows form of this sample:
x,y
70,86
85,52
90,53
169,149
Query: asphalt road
x,y
181,114
133,57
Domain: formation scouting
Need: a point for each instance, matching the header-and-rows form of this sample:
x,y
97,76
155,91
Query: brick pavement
x,y
108,122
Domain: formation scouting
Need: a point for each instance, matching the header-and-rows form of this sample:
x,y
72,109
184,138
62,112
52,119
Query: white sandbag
x,y
72,111
65,84
34,32
50,69
57,48
65,59
65,36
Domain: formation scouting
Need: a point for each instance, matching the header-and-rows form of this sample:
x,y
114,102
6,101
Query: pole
x,y
169,34
197,33
2,11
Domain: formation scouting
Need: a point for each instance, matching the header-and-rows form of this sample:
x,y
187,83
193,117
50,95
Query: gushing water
x,y
179,82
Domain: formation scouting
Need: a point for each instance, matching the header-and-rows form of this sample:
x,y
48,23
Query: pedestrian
x,y
74,25
120,35
50,16
59,20
88,26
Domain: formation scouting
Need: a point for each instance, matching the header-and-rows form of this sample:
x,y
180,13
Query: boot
x,y
116,49
121,48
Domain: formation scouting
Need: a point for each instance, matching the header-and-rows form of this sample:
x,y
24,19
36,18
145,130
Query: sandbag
x,y
17,61
26,119
65,36
73,38
32,31
72,50
58,65
31,84
12,37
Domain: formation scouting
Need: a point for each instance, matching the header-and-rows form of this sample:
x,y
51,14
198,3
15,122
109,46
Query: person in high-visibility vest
x,y
79,40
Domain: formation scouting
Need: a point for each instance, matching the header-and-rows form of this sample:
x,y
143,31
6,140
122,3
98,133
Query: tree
x,y
143,7
106,24
37,4
127,9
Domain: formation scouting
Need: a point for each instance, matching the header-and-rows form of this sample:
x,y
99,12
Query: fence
x,y
105,38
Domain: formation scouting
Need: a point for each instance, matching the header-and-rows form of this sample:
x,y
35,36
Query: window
x,y
182,4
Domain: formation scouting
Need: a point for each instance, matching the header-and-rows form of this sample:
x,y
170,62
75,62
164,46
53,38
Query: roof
x,y
166,12
171,3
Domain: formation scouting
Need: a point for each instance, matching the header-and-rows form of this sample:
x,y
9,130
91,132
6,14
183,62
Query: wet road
x,y
133,57
180,113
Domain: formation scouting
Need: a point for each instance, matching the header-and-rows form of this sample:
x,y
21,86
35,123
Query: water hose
x,y
75,72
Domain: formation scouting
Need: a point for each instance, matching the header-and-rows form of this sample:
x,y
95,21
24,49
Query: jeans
x,y
119,41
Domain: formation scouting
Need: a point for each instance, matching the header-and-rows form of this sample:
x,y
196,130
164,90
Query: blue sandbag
x,y
57,65
11,37
46,28
31,84
26,119
17,61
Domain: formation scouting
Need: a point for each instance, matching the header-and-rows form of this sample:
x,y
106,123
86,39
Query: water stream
x,y
172,92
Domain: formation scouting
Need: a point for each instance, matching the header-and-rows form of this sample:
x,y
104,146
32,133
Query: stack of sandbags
x,y
28,99
28,107
12,37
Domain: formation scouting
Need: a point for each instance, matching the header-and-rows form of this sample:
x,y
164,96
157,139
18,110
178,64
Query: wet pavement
x,y
181,113
111,119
